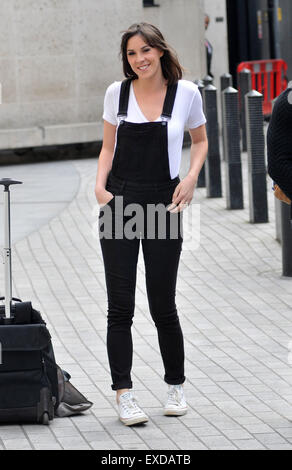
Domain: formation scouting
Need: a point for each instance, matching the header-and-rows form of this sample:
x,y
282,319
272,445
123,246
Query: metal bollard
x,y
207,80
286,239
231,129
244,87
201,183
226,80
213,167
257,176
200,83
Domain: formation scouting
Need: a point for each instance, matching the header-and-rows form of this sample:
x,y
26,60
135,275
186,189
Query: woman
x,y
144,120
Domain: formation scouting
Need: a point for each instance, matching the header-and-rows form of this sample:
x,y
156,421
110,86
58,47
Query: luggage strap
x,y
23,313
167,105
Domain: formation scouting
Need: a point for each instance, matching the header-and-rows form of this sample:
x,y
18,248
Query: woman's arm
x,y
105,163
199,150
184,192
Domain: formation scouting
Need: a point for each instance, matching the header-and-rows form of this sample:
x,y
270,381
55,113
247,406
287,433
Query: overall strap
x,y
124,97
169,101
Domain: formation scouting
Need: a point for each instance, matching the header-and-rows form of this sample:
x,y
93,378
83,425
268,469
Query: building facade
x,y
57,58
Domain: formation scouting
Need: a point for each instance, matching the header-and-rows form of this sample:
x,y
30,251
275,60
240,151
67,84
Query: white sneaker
x,y
129,411
176,403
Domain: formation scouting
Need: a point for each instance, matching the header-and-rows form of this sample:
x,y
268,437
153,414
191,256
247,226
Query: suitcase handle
x,y
13,298
6,182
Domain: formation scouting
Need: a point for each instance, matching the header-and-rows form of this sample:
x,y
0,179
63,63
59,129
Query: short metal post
x,y
231,129
208,80
286,239
257,175
244,88
200,83
213,166
226,81
201,183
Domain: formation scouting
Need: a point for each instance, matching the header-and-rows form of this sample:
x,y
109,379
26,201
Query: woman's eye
x,y
144,50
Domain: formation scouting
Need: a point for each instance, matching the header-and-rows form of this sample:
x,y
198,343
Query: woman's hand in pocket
x,y
104,197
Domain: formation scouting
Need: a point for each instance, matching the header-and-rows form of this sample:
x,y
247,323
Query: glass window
x,y
149,3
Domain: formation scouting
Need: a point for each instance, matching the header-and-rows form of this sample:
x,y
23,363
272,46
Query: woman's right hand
x,y
104,197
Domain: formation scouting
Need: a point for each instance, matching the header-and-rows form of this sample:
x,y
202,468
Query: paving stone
x,y
258,428
279,446
66,432
105,445
194,445
206,431
73,442
12,434
216,442
269,439
235,434
35,439
135,447
93,436
16,444
285,432
248,444
161,444
131,439
47,446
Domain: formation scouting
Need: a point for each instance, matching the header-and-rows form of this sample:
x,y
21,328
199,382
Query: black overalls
x,y
140,174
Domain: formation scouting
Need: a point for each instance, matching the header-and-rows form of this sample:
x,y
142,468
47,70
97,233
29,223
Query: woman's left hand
x,y
183,195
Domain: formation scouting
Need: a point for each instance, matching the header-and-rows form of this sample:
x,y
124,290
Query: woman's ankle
x,y
120,392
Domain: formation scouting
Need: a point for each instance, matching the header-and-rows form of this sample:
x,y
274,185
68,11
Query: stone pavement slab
x,y
235,310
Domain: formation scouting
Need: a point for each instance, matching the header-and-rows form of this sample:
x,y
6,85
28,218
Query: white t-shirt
x,y
187,113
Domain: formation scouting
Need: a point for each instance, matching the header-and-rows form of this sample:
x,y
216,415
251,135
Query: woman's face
x,y
143,59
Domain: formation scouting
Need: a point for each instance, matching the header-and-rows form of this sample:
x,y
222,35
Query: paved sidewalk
x,y
235,311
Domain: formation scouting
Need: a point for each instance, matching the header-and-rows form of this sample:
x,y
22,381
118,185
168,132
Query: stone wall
x,y
57,58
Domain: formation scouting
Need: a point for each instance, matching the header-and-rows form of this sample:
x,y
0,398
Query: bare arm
x,y
184,191
199,151
105,163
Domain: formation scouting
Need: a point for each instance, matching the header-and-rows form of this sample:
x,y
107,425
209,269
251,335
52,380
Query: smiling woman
x,y
144,121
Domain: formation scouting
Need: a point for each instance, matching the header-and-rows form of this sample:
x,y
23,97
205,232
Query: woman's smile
x,y
143,67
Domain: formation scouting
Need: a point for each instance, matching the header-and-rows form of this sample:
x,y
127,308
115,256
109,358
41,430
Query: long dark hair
x,y
171,68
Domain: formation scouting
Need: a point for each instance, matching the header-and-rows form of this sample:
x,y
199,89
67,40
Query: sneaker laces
x,y
173,396
130,403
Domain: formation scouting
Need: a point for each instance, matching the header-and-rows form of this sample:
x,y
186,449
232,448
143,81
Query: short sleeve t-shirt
x,y
187,113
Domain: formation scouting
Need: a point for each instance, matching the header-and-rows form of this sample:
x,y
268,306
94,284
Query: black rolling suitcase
x,y
28,371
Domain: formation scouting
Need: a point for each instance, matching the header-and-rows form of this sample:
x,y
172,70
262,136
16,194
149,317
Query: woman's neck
x,y
153,84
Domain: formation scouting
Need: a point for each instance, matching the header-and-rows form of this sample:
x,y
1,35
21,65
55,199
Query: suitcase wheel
x,y
45,407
